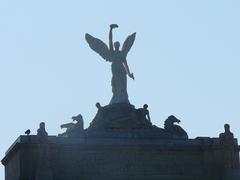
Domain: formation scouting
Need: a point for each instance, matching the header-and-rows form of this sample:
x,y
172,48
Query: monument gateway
x,y
121,142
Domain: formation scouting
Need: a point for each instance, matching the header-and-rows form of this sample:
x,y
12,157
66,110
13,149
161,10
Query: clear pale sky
x,y
185,60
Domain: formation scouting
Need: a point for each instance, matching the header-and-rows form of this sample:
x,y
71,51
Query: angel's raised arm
x,y
112,26
110,40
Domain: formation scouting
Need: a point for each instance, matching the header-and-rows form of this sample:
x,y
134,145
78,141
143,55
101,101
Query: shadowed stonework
x,y
121,156
121,142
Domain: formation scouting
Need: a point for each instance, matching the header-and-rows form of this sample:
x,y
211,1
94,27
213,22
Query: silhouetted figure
x,y
43,170
172,128
27,132
118,58
144,113
41,132
227,136
99,113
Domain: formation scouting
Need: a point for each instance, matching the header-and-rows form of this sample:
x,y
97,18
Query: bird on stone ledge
x,y
27,132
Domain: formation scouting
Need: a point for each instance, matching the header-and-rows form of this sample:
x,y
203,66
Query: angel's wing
x,y
98,46
128,43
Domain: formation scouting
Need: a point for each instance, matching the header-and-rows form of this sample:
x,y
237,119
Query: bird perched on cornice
x,y
27,132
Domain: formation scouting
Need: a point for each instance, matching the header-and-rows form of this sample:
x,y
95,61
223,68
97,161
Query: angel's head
x,y
116,45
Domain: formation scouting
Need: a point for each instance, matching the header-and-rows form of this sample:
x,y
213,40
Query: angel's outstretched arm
x,y
127,69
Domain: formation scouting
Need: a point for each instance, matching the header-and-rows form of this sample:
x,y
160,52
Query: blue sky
x,y
185,60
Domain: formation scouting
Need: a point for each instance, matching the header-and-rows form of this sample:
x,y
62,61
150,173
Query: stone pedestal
x,y
119,116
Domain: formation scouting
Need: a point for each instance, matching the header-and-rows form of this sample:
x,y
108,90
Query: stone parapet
x,y
121,158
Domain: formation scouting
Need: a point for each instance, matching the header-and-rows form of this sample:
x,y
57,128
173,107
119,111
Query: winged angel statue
x,y
119,65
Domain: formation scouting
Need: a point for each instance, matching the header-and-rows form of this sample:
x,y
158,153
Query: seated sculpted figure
x,y
41,132
144,113
227,136
73,129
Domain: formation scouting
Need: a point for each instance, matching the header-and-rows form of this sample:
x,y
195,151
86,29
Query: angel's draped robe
x,y
119,79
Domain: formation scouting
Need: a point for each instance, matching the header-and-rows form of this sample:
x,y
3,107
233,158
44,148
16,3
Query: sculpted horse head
x,y
77,118
174,129
169,122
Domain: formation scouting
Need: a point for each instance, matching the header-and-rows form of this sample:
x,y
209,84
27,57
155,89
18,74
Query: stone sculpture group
x,y
120,114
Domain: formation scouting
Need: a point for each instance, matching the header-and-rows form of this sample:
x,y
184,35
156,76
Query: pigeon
x,y
27,132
